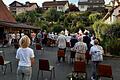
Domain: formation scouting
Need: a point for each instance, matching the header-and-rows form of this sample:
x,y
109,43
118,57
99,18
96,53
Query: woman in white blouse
x,y
25,58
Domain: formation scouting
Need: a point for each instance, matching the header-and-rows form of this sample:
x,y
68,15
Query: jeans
x,y
94,69
24,73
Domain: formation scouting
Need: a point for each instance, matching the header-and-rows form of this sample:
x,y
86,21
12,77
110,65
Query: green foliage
x,y
52,15
29,17
100,28
42,24
84,18
21,17
112,42
57,28
113,46
94,17
109,35
61,19
66,23
70,21
114,30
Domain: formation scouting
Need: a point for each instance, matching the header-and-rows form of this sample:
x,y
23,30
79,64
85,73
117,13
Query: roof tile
x,y
5,14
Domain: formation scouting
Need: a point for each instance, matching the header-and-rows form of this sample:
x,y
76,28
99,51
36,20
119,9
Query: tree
x,y
52,15
94,17
57,28
72,8
31,17
21,17
100,28
108,34
114,30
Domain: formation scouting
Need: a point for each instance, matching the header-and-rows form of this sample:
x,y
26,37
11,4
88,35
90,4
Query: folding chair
x,y
4,63
61,54
44,66
80,67
39,47
104,71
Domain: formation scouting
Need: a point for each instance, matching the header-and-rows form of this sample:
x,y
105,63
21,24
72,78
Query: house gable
x,y
52,3
112,15
59,5
16,4
17,7
90,5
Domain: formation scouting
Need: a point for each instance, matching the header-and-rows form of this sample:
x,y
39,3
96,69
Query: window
x,y
14,12
119,11
82,6
97,1
60,7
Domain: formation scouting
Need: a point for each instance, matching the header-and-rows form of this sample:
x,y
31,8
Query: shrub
x,y
109,35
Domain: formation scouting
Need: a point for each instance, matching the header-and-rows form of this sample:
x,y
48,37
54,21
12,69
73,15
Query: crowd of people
x,y
80,44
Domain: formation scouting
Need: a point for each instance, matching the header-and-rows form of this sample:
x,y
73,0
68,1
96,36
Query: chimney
x,y
54,0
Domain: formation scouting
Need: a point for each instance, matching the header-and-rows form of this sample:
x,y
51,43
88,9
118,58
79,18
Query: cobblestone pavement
x,y
61,70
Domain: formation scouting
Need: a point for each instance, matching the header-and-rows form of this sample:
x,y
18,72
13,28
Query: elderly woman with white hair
x,y
25,58
80,48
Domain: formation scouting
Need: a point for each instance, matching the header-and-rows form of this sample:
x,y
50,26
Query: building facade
x,y
58,5
17,7
91,5
113,13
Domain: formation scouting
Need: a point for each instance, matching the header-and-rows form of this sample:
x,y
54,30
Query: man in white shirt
x,y
96,52
61,41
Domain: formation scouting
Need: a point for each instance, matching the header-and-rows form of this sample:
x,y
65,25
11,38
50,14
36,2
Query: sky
x,y
39,2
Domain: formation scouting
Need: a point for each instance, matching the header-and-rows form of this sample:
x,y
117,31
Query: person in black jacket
x,y
87,40
73,41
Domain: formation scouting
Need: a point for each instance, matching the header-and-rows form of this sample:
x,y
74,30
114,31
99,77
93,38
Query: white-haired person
x,y
61,41
80,48
25,58
96,52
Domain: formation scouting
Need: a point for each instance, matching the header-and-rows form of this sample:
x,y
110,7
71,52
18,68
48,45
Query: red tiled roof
x,y
5,14
17,25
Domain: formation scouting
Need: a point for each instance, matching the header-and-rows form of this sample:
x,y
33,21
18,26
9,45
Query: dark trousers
x,y
59,57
